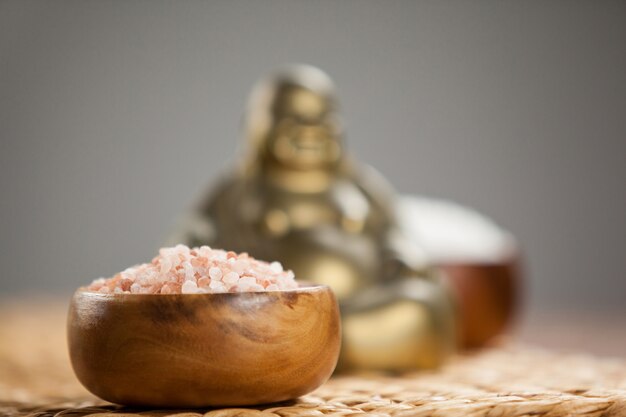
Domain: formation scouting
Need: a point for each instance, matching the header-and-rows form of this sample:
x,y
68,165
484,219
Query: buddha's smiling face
x,y
304,133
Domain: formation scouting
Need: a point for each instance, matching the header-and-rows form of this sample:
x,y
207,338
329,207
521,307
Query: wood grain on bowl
x,y
182,350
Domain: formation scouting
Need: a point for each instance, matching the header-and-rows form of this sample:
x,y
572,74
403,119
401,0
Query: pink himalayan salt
x,y
183,270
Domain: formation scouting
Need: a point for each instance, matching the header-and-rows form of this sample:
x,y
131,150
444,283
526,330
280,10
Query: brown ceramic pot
x,y
487,298
480,260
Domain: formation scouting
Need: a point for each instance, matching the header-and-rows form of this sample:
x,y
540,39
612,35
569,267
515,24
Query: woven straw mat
x,y
36,380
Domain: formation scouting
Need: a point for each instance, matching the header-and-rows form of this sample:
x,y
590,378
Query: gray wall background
x,y
114,116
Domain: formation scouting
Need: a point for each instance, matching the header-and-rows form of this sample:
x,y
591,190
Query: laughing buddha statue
x,y
298,198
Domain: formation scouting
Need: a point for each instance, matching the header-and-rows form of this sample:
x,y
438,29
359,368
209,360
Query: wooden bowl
x,y
184,350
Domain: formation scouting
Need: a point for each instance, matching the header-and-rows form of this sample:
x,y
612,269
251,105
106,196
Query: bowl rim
x,y
303,287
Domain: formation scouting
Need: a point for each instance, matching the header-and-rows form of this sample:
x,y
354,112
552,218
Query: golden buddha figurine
x,y
298,198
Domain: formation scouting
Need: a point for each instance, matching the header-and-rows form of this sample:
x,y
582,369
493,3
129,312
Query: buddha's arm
x,y
407,324
405,320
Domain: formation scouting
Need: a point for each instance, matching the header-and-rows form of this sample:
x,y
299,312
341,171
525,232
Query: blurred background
x,y
115,116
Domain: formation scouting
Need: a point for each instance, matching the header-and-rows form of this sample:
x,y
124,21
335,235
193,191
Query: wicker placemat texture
x,y
36,380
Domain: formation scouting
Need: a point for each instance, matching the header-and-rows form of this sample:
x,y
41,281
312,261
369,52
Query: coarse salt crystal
x,y
255,287
217,286
231,278
276,267
247,281
197,270
215,273
166,265
240,266
189,274
189,287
